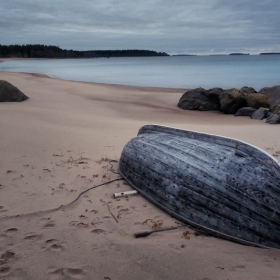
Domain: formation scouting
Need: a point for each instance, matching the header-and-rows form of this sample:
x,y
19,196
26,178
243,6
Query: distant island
x,y
271,53
239,54
184,55
44,51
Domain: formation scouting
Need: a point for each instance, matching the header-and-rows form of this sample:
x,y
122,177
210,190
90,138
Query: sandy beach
x,y
59,142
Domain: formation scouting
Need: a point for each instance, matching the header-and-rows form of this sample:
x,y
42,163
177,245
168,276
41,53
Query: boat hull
x,y
224,186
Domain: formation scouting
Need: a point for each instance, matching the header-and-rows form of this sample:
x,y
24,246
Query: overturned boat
x,y
223,186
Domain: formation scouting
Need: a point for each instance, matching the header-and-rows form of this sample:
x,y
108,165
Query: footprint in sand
x,y
73,223
54,245
123,212
49,225
11,230
32,236
99,231
114,248
7,255
29,194
74,273
2,209
5,271
56,272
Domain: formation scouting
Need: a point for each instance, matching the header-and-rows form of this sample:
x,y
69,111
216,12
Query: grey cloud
x,y
196,26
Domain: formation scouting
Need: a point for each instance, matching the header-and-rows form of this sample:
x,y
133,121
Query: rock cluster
x,y
245,111
260,114
10,93
240,102
273,119
231,100
201,99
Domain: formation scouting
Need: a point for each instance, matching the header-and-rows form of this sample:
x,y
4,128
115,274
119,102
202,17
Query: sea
x,y
225,71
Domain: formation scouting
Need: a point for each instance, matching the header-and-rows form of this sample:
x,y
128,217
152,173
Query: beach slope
x,y
59,143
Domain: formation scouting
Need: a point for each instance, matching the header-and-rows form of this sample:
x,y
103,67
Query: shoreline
x,y
58,143
46,75
178,81
159,78
169,89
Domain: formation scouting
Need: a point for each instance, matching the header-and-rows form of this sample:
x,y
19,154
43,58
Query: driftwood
x,y
110,210
147,233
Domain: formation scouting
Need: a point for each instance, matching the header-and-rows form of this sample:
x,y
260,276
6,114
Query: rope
x,y
111,169
106,183
64,206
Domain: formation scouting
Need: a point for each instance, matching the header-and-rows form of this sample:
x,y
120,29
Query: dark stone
x,y
245,111
10,93
214,95
247,90
257,100
276,109
260,114
269,114
273,119
272,94
232,100
199,99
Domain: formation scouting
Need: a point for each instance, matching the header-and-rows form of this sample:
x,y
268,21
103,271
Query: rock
x,y
273,119
276,109
199,99
245,111
257,100
10,93
272,94
260,114
214,95
247,90
232,100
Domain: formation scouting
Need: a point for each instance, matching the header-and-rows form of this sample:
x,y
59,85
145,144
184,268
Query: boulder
x,y
198,99
245,111
272,94
260,114
247,90
214,95
10,93
276,109
232,100
257,100
273,119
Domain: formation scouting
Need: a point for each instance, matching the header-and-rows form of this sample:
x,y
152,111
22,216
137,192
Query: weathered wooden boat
x,y
224,186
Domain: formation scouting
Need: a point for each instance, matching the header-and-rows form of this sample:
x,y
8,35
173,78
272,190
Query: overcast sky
x,y
173,26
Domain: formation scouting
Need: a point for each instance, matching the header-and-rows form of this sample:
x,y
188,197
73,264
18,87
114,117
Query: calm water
x,y
176,72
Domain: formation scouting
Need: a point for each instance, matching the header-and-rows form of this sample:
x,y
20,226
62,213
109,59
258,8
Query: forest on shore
x,y
44,51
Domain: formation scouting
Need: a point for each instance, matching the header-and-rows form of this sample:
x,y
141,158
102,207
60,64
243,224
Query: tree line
x,y
44,51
